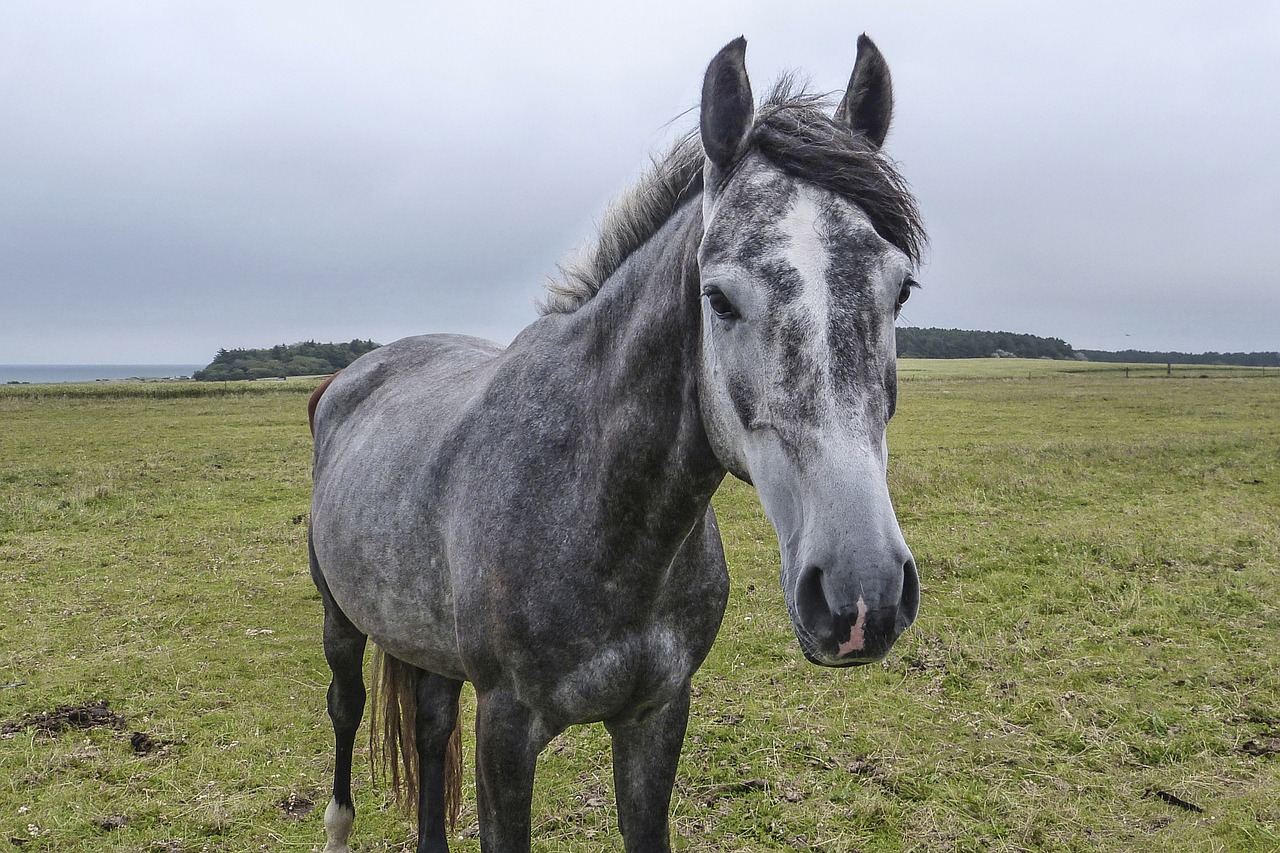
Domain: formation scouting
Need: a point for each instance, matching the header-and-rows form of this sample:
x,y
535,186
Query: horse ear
x,y
727,109
867,107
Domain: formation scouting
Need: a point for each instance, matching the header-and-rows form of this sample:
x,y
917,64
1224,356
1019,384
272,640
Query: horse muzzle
x,y
847,620
847,574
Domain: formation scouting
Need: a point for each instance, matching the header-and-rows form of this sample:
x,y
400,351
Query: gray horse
x,y
536,519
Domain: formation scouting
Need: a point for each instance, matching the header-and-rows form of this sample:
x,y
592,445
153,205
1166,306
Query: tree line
x,y
960,343
305,359
312,359
1242,359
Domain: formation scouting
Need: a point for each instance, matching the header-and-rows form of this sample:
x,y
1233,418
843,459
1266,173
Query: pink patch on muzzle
x,y
856,642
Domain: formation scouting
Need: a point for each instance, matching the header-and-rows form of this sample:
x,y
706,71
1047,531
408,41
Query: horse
x,y
536,520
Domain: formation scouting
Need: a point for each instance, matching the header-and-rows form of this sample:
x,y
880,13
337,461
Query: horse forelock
x,y
793,130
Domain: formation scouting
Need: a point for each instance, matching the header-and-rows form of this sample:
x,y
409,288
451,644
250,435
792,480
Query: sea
x,y
46,373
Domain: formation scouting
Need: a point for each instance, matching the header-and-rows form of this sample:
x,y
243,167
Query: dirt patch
x,y
930,656
174,846
96,714
145,744
88,715
863,766
874,772
296,806
732,789
1263,746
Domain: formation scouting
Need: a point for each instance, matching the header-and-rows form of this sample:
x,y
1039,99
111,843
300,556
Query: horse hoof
x,y
337,826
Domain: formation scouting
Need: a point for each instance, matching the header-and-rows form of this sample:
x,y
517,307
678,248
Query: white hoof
x,y
337,826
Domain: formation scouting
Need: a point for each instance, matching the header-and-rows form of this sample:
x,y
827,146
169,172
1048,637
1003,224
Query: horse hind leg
x,y
414,727
438,737
344,650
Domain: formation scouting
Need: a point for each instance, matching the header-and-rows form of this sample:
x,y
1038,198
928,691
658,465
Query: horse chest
x,y
618,678
603,651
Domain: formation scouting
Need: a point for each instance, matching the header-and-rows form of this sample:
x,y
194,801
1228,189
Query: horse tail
x,y
393,749
453,773
315,401
392,731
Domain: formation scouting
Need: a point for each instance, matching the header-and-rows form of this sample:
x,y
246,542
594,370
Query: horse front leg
x,y
646,750
509,737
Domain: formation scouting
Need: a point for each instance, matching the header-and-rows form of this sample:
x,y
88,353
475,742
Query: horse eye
x,y
905,293
719,303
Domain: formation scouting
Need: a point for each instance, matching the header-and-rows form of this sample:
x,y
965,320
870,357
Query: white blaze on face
x,y
808,256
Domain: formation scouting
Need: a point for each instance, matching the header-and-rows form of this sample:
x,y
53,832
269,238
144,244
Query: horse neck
x,y
643,333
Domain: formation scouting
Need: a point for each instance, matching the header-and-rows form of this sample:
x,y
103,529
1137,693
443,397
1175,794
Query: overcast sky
x,y
180,177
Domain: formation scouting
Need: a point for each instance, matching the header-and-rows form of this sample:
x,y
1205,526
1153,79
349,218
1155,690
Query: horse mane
x,y
794,131
629,222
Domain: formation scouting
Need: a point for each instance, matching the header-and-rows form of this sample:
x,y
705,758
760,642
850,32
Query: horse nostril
x,y
811,603
909,605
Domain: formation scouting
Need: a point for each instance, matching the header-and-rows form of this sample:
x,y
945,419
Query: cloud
x,y
183,178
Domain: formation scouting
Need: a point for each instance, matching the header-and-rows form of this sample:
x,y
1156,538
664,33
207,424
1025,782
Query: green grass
x,y
1024,368
1098,634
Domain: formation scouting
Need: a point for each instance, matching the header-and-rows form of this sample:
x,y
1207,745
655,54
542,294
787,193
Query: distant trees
x,y
959,343
312,359
305,359
1242,359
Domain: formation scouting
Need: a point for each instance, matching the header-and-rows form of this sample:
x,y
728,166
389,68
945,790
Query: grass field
x,y
1096,666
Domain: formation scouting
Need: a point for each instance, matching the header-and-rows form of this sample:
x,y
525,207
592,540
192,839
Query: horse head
x,y
810,241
